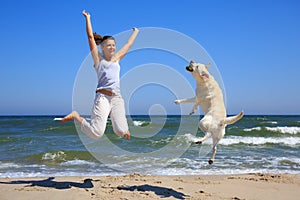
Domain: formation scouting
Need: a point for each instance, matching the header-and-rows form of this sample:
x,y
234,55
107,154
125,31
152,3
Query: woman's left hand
x,y
135,29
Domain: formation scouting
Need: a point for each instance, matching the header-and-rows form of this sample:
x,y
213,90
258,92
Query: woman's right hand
x,y
135,29
86,14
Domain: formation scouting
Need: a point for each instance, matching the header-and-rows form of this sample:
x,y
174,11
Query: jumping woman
x,y
108,100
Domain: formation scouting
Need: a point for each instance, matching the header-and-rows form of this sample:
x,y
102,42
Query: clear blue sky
x,y
255,44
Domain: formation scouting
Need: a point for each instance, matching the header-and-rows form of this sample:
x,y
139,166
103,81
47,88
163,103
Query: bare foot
x,y
127,135
72,116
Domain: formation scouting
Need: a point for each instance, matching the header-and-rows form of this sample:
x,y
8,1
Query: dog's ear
x,y
208,65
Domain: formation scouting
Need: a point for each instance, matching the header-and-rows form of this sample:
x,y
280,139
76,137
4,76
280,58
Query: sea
x,y
40,146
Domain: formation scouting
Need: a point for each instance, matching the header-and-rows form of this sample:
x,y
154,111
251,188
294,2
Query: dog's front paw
x,y
177,101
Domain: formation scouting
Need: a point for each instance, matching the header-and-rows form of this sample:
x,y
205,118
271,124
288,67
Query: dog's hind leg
x,y
203,125
211,161
214,150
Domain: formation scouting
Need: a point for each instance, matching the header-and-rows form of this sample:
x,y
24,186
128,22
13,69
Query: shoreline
x,y
137,186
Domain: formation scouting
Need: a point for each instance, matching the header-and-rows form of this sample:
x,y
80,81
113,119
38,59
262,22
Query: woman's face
x,y
108,47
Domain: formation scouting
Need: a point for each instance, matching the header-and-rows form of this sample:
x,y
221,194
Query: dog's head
x,y
199,71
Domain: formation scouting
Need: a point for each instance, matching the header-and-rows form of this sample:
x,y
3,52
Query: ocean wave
x,y
290,141
140,123
57,118
219,171
232,140
284,129
190,138
277,129
8,165
78,162
270,122
225,164
288,161
56,128
59,155
252,129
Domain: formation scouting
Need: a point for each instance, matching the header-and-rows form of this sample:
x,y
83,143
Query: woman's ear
x,y
101,46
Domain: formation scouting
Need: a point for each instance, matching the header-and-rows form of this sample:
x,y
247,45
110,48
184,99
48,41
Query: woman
x,y
108,101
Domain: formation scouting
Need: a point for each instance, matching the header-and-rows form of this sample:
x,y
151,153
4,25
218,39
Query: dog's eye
x,y
197,66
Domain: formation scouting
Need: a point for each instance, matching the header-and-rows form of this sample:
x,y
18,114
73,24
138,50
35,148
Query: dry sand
x,y
135,186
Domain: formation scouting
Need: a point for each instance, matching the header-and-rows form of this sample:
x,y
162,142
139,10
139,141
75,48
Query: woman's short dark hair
x,y
99,39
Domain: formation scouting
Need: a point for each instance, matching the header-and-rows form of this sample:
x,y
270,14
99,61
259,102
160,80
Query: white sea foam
x,y
290,141
190,138
280,129
232,140
139,123
54,156
78,162
46,174
224,166
8,165
273,122
268,122
293,160
285,129
219,171
156,166
57,119
252,129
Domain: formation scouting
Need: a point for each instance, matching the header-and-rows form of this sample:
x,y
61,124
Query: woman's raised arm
x,y
92,43
122,52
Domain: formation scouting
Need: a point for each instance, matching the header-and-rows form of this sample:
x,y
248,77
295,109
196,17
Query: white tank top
x,y
108,76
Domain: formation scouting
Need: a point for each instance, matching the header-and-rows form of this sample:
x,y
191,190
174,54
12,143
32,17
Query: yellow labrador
x,y
210,98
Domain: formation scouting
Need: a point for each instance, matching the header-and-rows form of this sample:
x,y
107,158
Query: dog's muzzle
x,y
189,68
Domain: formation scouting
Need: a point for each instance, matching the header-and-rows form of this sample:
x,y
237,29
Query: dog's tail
x,y
233,119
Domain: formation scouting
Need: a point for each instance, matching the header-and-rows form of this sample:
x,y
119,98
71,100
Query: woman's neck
x,y
108,58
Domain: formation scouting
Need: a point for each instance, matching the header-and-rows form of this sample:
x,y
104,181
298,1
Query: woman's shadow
x,y
50,183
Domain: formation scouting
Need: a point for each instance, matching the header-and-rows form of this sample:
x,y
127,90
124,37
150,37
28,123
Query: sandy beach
x,y
136,186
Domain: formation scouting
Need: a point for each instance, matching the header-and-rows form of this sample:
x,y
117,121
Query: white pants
x,y
105,106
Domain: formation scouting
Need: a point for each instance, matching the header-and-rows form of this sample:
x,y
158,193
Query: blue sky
x,y
254,43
